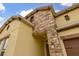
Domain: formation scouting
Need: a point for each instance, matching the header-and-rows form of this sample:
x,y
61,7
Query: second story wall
x,y
11,27
73,17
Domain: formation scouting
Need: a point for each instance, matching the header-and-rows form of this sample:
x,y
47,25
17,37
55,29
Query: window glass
x,y
32,19
67,17
3,44
7,27
6,43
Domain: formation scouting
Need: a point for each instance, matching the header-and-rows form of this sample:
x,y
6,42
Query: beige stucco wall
x,y
21,42
71,31
74,16
12,26
26,44
11,44
13,30
61,21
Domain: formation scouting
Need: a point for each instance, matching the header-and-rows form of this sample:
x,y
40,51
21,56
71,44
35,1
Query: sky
x,y
11,9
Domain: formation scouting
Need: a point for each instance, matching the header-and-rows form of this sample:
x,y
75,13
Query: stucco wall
x,y
21,42
13,30
74,16
12,26
61,21
70,31
26,44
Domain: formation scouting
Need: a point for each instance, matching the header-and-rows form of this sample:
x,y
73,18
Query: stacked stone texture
x,y
44,23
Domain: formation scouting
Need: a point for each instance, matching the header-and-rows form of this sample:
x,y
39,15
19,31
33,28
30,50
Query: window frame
x,y
67,17
2,50
31,18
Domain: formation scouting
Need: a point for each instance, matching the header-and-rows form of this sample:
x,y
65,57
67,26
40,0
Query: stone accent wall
x,y
45,24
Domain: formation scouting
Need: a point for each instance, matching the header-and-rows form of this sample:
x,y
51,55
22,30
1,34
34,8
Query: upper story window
x,y
3,46
13,18
19,18
32,19
67,17
7,27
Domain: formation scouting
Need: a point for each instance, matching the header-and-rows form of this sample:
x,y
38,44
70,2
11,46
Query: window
x,y
19,18
3,46
67,17
32,19
13,18
2,53
7,27
26,17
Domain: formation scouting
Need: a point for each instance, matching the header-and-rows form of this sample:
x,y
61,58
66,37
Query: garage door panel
x,y
72,46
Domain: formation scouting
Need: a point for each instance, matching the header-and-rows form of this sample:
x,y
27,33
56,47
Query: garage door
x,y
72,46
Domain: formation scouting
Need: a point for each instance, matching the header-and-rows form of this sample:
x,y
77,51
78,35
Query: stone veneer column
x,y
55,48
44,22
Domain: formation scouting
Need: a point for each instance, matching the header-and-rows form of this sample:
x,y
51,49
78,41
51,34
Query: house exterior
x,y
43,32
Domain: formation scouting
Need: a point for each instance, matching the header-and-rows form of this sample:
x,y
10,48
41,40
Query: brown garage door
x,y
72,46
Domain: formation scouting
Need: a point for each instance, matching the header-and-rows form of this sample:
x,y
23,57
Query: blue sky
x,y
10,9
